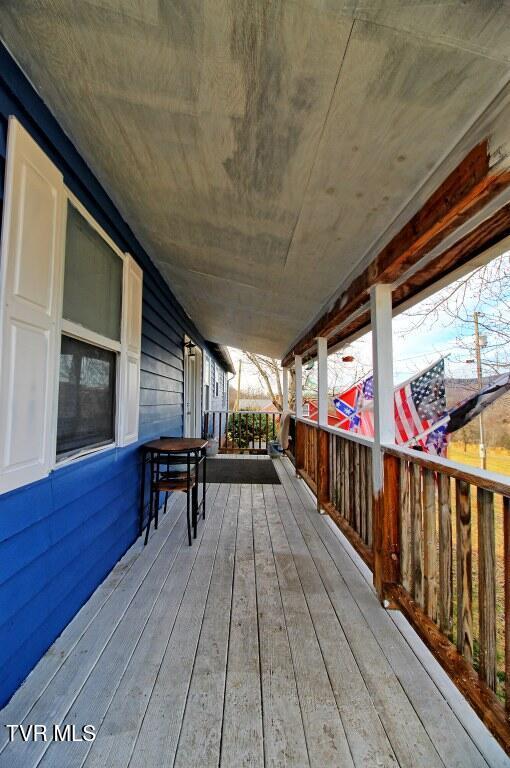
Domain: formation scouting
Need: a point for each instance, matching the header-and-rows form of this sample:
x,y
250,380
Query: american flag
x,y
420,403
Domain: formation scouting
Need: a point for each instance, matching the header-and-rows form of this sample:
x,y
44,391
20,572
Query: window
x,y
86,397
92,304
70,324
92,279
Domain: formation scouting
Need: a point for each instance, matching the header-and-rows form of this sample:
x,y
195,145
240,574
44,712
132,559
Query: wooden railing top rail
x,y
490,481
367,441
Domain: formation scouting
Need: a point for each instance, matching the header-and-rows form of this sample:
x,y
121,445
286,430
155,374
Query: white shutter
x,y
131,348
30,298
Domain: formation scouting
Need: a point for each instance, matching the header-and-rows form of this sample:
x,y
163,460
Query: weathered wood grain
x,y
115,742
242,741
325,735
464,571
368,743
445,556
322,470
506,577
158,737
488,480
409,724
487,587
406,546
415,497
200,736
284,737
429,545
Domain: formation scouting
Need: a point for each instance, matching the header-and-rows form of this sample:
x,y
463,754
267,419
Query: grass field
x,y
498,460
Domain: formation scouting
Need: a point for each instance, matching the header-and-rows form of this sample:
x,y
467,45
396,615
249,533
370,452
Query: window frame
x,y
79,332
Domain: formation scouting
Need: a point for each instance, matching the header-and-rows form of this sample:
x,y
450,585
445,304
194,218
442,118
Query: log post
x,y
386,532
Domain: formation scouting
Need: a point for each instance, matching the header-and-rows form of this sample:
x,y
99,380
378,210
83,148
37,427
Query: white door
x,y
192,390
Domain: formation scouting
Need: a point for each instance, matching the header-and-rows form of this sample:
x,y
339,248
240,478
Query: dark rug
x,y
241,471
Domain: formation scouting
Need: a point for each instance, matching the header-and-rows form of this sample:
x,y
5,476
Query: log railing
x,y
350,483
454,576
306,451
241,431
437,538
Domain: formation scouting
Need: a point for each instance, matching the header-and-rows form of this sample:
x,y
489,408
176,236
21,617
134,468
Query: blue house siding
x,y
61,536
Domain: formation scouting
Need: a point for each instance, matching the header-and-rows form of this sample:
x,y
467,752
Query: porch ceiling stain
x,y
260,150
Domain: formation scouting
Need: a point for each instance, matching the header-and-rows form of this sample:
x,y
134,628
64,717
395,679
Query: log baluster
x,y
445,556
487,586
464,570
429,544
416,533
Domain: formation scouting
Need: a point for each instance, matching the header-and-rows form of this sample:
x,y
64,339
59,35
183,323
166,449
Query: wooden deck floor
x,y
262,644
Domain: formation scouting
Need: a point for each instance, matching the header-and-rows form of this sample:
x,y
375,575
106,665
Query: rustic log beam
x,y
464,193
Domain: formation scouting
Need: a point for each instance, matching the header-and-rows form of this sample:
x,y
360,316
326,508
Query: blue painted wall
x,y
60,537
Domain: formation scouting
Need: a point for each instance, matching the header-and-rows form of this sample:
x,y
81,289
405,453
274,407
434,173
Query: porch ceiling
x,y
261,150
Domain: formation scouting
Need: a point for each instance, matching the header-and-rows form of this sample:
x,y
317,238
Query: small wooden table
x,y
186,447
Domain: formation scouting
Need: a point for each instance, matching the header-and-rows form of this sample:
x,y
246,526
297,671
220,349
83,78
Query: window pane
x,y
86,397
92,279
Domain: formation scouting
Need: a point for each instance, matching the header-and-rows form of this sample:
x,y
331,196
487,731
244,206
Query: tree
x,y
485,290
340,376
270,376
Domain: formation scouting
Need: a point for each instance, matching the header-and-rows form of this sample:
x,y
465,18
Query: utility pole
x,y
483,451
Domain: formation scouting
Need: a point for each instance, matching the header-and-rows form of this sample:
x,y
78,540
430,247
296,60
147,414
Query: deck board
x,y
261,645
445,733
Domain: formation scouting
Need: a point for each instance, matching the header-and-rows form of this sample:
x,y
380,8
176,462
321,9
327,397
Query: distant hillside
x,y
459,389
496,416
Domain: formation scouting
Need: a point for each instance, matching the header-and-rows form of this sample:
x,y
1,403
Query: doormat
x,y
241,471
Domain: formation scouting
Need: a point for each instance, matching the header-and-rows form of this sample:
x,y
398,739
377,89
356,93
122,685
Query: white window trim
x,y
71,198
77,331
65,461
40,310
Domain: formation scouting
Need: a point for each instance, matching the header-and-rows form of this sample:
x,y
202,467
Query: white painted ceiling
x,y
259,149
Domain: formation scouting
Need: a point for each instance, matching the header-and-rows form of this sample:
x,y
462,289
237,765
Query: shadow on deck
x,y
262,644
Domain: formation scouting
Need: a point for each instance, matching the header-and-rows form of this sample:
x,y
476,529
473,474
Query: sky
x,y
414,350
